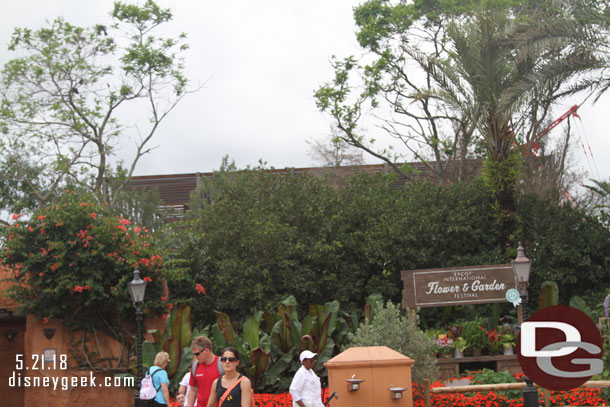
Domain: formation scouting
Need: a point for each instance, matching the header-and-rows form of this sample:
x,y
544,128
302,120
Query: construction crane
x,y
570,112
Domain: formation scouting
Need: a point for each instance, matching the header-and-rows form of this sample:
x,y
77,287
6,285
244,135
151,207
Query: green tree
x,y
482,84
254,237
567,246
62,101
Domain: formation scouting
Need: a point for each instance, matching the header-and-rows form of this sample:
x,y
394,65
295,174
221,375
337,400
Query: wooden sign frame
x,y
457,285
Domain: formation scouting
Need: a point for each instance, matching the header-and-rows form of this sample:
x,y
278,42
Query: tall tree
x,y
483,82
64,100
333,151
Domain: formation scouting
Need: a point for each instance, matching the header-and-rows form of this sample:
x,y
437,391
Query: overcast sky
x,y
260,62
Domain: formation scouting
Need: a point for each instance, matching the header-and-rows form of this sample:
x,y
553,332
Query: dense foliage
x,y
567,246
254,237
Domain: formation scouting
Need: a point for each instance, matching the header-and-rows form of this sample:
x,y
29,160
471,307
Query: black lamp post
x,y
137,289
521,267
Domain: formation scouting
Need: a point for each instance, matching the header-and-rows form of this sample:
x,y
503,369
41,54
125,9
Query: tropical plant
x,y
474,334
508,339
460,344
272,342
175,339
549,295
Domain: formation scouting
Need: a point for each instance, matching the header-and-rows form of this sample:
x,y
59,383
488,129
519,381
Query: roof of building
x,y
175,189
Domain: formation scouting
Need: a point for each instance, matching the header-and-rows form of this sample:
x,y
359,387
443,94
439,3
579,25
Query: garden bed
x,y
575,397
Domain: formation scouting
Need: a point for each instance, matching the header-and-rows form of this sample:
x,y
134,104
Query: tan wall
x,y
83,393
54,387
11,396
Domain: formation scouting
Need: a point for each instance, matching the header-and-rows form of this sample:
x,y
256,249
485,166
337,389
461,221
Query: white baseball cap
x,y
306,354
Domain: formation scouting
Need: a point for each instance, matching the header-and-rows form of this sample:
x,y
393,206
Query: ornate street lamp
x,y
137,289
521,267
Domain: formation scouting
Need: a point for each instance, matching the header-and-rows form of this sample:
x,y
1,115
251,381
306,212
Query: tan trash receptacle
x,y
375,369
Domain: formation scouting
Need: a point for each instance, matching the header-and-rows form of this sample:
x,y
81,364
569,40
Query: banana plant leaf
x,y
307,326
160,339
276,371
580,304
148,354
185,327
259,360
218,339
333,309
186,358
224,324
173,348
251,332
270,320
281,335
549,295
306,343
323,339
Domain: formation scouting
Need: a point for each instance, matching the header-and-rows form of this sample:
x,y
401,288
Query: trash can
x,y
370,376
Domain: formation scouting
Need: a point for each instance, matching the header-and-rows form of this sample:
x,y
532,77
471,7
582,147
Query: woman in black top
x,y
240,395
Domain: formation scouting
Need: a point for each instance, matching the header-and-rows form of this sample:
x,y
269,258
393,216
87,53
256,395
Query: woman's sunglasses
x,y
230,359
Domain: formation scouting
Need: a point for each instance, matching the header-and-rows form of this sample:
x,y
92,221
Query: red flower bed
x,y
576,397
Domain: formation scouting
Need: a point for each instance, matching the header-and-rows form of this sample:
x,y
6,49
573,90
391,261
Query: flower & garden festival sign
x,y
457,285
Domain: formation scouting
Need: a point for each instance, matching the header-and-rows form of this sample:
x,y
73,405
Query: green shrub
x,y
400,333
488,376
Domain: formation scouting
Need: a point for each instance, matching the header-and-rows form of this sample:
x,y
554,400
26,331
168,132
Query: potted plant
x,y
475,336
444,346
493,345
508,341
460,346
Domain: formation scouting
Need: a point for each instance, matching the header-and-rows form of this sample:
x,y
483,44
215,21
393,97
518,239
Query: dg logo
x,y
560,348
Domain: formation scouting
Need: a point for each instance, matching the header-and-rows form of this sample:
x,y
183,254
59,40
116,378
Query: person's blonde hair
x,y
203,342
161,358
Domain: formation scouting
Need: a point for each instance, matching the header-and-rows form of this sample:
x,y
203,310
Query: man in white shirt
x,y
306,389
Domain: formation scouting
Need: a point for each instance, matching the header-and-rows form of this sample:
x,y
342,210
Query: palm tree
x,y
505,74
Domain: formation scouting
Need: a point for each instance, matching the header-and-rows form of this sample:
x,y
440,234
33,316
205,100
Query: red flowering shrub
x,y
72,261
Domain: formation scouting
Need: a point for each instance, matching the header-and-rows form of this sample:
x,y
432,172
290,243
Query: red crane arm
x,y
564,116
